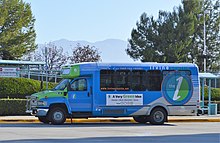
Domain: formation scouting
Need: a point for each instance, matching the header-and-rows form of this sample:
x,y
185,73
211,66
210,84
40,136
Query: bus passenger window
x,y
107,80
154,80
185,72
166,72
138,80
122,80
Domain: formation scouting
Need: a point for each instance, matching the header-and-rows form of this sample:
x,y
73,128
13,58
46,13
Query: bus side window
x,y
138,80
166,72
188,74
79,85
122,80
177,74
107,80
171,87
185,72
154,80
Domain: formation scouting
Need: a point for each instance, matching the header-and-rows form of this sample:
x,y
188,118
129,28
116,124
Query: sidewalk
x,y
31,119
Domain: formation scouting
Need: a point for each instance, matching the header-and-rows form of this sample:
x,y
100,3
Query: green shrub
x,y
10,107
215,93
20,87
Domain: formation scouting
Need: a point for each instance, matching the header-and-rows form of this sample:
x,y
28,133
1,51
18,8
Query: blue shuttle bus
x,y
148,92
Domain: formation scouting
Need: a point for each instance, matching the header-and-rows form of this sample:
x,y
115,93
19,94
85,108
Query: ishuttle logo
x,y
177,88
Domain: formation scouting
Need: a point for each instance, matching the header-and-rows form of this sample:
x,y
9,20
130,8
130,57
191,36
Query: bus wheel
x,y
44,120
57,116
141,119
158,116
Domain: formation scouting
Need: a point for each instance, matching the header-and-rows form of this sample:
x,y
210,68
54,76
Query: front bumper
x,y
31,107
38,112
41,112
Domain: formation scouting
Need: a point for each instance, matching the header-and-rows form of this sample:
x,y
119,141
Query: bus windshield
x,y
62,85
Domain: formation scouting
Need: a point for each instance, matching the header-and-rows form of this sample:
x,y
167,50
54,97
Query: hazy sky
x,y
92,20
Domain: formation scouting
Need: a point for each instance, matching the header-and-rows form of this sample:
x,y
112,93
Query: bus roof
x,y
144,64
80,69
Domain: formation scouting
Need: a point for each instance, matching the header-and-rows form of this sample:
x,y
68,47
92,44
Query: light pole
x,y
204,32
46,67
204,52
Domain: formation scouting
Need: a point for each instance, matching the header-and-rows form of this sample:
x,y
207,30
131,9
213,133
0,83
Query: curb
x,y
19,121
194,120
98,120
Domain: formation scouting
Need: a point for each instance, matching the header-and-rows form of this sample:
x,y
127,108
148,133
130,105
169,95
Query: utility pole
x,y
204,32
46,67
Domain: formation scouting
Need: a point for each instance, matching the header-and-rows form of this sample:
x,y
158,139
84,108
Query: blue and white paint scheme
x,y
172,87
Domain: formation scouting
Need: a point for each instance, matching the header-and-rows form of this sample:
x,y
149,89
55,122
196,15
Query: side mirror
x,y
64,93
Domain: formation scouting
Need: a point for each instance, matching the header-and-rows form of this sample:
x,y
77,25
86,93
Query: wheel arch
x,y
59,101
159,105
61,105
162,107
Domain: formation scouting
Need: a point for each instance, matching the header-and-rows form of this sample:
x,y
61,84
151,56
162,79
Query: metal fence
x,y
51,76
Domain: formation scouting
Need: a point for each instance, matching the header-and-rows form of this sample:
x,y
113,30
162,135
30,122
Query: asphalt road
x,y
208,132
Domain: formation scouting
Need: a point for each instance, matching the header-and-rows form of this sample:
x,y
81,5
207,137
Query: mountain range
x,y
111,50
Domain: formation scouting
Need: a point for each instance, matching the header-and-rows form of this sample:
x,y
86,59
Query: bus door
x,y
80,95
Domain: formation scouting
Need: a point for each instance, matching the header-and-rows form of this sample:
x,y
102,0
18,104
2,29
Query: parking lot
x,y
195,132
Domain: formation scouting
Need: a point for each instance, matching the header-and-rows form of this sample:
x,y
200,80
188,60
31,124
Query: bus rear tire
x,y
141,119
44,120
158,116
57,116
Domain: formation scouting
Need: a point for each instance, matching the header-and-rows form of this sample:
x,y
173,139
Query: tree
x,y
17,34
55,56
162,40
176,36
84,54
211,10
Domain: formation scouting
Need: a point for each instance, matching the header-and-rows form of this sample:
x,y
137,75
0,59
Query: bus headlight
x,y
41,103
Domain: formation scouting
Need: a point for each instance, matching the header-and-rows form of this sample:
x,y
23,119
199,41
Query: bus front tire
x,y
44,120
158,116
141,119
57,116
